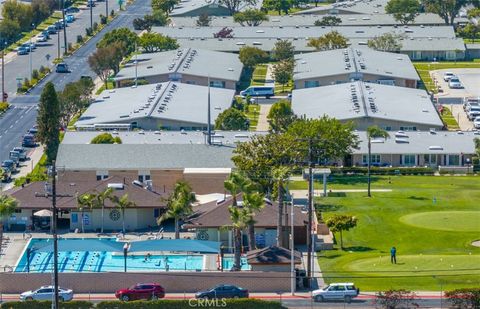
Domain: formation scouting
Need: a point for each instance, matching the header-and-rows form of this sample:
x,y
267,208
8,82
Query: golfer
x,y
393,255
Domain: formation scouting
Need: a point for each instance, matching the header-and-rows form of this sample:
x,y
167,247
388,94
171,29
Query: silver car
x,y
336,291
46,293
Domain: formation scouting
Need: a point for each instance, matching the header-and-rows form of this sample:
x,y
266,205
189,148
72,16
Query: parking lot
x,y
470,78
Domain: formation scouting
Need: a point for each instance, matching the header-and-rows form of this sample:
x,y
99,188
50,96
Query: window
x,y
18,210
102,175
408,128
430,159
217,84
143,176
409,160
374,159
312,83
453,160
387,128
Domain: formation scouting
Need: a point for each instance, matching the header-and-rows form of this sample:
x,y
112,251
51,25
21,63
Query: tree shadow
x,y
336,194
333,256
418,198
358,249
350,180
327,207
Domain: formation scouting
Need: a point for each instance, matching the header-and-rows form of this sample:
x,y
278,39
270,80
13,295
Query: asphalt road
x,y
21,116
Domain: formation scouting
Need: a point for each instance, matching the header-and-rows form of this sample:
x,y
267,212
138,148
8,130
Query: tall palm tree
x,y
179,205
123,203
237,183
252,203
85,201
239,217
373,132
99,201
8,205
280,175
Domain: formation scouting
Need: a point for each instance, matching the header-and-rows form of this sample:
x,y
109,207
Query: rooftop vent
x,y
435,148
401,141
116,186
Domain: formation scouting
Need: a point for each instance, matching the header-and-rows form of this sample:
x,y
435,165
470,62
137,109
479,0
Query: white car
x,y
455,83
46,293
336,291
476,123
41,38
447,76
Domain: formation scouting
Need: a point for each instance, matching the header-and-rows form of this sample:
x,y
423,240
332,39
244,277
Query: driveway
x,y
470,79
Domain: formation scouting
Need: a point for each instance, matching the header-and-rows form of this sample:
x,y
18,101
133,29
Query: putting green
x,y
455,221
423,264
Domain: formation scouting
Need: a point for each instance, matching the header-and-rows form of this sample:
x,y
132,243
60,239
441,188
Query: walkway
x,y
263,124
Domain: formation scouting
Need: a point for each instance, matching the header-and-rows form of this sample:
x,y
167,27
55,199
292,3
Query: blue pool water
x,y
228,263
103,261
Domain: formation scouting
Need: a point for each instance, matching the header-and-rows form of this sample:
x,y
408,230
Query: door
x,y
44,294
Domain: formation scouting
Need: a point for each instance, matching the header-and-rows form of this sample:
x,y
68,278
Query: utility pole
x,y
4,45
209,126
106,9
53,194
64,27
310,210
292,252
90,2
30,54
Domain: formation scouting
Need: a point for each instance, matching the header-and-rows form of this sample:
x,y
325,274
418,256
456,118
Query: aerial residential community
x,y
240,154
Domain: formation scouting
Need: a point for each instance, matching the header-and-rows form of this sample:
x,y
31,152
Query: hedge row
x,y
464,298
164,304
384,170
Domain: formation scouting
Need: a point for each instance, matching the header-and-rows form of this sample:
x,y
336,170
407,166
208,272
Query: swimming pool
x,y
228,263
103,261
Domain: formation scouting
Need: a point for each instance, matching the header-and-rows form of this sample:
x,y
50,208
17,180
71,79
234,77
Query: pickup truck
x,y
336,291
22,152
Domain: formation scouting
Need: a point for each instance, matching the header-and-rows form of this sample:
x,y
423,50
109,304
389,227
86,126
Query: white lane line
x,y
11,126
16,121
6,131
21,117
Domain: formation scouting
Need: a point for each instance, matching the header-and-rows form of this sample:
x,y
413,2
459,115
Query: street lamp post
x,y
30,53
3,70
90,3
64,27
125,251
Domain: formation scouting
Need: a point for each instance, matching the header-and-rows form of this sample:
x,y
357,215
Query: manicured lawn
x,y
448,119
424,68
253,112
431,220
259,75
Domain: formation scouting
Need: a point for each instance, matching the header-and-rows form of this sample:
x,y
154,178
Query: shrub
x,y
95,26
105,138
103,19
74,304
35,74
88,31
181,304
384,170
392,299
3,106
112,13
26,83
464,298
79,39
42,69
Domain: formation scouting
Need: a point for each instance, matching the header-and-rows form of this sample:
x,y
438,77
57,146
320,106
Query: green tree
x,y
17,11
179,205
283,72
123,203
8,205
253,202
204,20
41,10
166,6
232,120
99,201
48,120
340,223
447,9
328,41
70,102
387,42
280,116
474,12
470,31
278,5
283,50
250,17
328,21
85,201
107,59
234,5
157,18
106,138
404,11
155,42
251,56
9,30
373,132
122,35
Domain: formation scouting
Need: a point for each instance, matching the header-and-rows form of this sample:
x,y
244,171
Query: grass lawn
x,y
253,112
449,120
433,238
424,68
259,75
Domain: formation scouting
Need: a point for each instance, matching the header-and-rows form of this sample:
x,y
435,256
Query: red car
x,y
151,291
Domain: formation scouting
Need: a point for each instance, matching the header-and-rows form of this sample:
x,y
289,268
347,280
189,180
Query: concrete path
x,y
459,114
263,124
269,80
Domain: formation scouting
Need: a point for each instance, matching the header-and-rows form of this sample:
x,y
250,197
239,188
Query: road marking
x,y
16,121
11,126
6,131
21,117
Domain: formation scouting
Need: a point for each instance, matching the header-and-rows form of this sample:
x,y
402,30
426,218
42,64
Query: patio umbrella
x,y
43,213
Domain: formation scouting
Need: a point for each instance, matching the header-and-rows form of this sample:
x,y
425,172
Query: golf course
x,y
431,220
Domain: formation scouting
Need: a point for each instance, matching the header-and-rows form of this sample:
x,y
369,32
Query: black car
x,y
62,68
33,131
29,141
223,291
72,9
9,165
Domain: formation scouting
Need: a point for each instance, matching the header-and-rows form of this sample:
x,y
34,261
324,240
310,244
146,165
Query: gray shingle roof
x,y
330,63
172,101
184,61
351,6
440,142
391,103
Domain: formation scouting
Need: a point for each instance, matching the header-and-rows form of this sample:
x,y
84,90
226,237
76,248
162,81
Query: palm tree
x,y
8,205
280,174
236,184
252,203
240,218
99,201
179,205
85,200
373,132
122,202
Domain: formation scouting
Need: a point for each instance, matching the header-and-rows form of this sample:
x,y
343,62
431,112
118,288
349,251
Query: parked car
x,y
447,76
70,18
29,141
22,152
476,123
6,175
33,131
473,114
223,291
22,51
46,293
90,3
27,46
41,38
51,29
454,83
62,68
46,34
258,91
15,157
336,291
141,291
10,165
72,9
